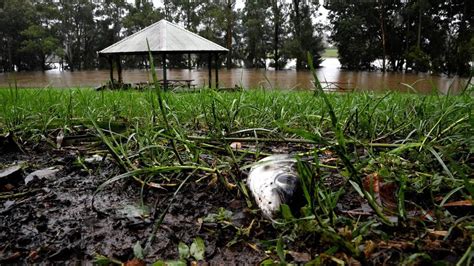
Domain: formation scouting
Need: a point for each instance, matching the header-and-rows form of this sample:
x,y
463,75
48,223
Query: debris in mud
x,y
94,159
9,143
49,172
236,145
10,177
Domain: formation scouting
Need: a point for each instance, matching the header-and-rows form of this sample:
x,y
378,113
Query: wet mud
x,y
53,218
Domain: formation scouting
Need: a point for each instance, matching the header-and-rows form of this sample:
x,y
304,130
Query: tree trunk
x,y
382,28
418,39
43,62
230,21
10,57
296,14
276,14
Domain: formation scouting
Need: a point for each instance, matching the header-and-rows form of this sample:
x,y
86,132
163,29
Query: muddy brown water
x,y
249,78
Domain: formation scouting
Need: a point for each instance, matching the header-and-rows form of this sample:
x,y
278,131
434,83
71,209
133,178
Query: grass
x,y
419,145
330,53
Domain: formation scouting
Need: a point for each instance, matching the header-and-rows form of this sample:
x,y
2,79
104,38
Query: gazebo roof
x,y
163,37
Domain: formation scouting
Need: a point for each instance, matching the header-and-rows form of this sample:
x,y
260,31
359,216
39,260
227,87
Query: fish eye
x,y
285,180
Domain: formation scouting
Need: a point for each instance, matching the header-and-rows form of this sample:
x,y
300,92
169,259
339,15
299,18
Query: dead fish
x,y
274,181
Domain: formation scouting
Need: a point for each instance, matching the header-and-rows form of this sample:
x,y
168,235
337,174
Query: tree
x,y
15,17
219,24
140,15
40,43
186,12
357,32
305,35
40,38
279,26
78,33
256,33
461,32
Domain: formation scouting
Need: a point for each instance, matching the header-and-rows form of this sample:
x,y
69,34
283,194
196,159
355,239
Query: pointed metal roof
x,y
163,36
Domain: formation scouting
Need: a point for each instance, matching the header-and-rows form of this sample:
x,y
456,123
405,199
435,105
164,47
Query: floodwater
x,y
249,78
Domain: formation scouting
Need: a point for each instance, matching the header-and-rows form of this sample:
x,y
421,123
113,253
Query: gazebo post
x,y
189,61
217,70
210,70
165,82
119,70
111,62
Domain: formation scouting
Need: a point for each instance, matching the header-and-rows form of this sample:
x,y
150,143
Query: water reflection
x,y
248,78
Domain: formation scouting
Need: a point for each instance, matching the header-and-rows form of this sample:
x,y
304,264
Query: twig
x,y
16,195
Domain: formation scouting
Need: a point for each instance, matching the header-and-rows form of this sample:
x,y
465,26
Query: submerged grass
x,y
422,144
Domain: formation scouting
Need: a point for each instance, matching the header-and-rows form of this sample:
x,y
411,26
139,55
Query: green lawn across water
x,y
330,53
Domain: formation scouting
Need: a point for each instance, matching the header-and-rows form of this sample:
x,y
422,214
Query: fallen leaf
x,y
12,257
371,183
327,160
197,249
328,152
435,245
33,256
11,175
135,262
458,203
427,216
8,203
253,246
214,180
236,145
59,138
388,195
155,185
400,245
369,248
43,173
437,233
300,256
384,193
94,159
8,187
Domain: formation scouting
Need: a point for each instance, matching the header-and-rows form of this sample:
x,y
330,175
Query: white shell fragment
x,y
272,182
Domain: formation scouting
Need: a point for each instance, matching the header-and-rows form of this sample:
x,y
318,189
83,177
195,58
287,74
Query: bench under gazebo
x,y
165,38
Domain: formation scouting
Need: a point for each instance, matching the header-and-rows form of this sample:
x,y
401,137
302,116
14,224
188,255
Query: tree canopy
x,y
419,35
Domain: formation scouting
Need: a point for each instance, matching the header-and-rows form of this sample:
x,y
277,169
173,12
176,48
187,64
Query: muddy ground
x,y
51,218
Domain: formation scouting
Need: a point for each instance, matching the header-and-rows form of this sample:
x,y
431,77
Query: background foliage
x,y
419,35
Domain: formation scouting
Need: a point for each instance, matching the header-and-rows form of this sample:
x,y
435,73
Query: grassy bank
x,y
330,52
407,158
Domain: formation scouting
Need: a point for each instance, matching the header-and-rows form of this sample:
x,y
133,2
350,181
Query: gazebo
x,y
164,38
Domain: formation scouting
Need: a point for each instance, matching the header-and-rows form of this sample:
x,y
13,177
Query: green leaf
x,y
138,251
357,188
198,249
280,251
267,262
183,251
286,212
170,263
102,260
